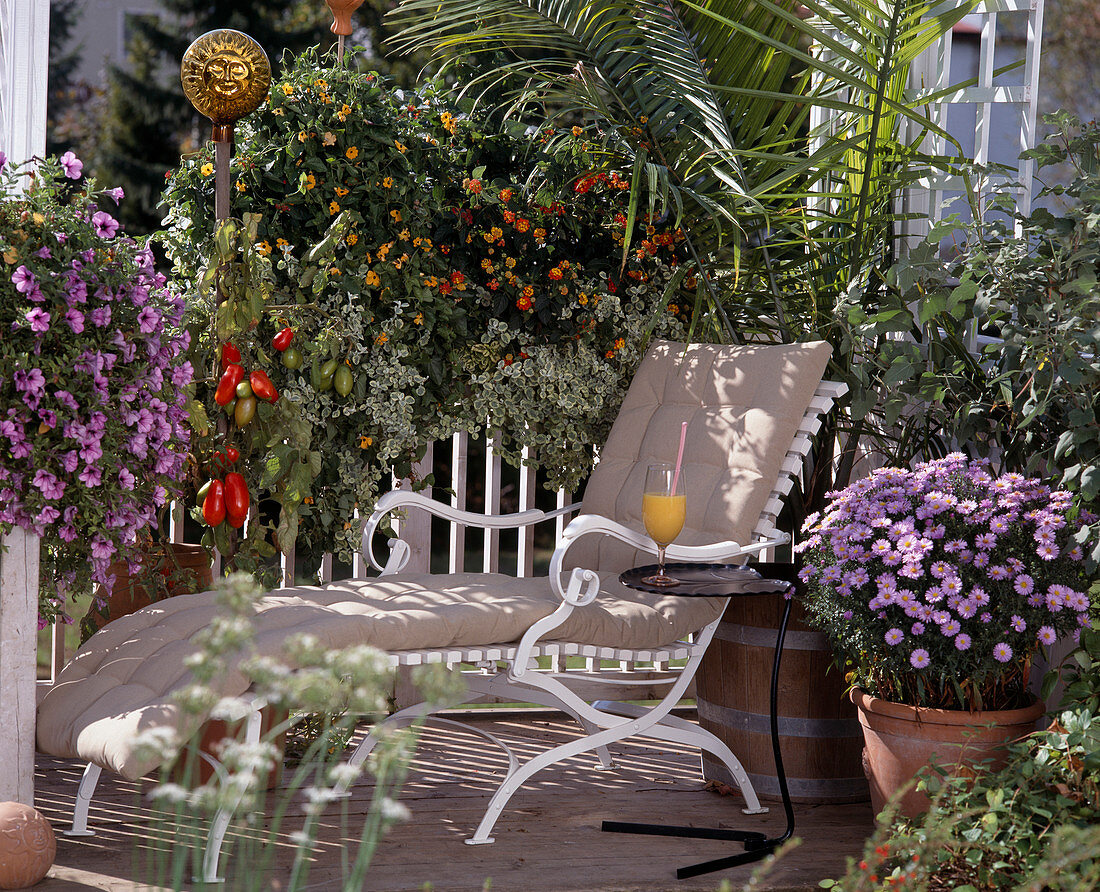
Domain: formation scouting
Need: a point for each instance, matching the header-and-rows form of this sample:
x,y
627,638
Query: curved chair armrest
x,y
587,524
403,498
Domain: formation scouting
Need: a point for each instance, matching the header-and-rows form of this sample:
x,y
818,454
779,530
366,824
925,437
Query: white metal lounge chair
x,y
751,414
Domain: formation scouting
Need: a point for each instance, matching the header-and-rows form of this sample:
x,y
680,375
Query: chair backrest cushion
x,y
743,406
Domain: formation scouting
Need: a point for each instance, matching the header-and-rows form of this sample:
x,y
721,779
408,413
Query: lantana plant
x,y
939,585
92,378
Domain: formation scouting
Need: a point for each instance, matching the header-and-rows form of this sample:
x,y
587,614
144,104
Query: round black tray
x,y
705,581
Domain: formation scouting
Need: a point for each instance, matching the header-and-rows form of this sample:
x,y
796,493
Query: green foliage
x,y
464,276
1033,825
1029,399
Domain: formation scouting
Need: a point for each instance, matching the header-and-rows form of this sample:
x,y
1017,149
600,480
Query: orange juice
x,y
663,516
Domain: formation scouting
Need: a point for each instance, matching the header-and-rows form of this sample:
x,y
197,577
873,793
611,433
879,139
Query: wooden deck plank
x,y
548,840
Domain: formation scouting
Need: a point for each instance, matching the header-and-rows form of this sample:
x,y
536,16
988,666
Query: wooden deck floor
x,y
548,840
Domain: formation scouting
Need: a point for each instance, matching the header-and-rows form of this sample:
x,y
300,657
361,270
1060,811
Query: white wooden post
x,y
24,47
18,649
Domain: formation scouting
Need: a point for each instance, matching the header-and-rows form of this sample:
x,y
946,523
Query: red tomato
x,y
213,506
262,386
236,499
230,354
282,340
227,386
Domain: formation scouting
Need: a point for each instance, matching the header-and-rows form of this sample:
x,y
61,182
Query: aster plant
x,y
92,378
939,585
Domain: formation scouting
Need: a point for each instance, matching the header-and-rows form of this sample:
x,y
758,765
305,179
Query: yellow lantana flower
x,y
353,238
333,207
341,191
371,278
352,153
206,169
288,90
396,214
387,182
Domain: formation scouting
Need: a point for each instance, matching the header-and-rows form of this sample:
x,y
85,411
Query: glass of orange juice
x,y
663,508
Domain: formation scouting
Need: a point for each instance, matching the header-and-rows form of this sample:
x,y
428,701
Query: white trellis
x,y
1013,94
24,46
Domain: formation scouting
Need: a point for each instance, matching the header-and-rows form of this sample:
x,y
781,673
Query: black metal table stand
x,y
757,845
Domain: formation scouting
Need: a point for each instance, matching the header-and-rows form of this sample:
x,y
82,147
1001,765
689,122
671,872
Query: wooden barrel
x,y
820,735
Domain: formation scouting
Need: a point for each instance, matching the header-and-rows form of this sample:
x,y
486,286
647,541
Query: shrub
x,y
467,277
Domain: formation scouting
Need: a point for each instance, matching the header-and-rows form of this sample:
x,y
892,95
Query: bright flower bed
x,y
938,585
92,433
466,277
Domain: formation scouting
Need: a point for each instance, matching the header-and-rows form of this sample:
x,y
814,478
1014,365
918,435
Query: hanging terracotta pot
x,y
900,740
185,569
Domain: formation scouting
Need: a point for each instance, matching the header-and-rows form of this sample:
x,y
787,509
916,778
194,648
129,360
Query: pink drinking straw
x,y
679,456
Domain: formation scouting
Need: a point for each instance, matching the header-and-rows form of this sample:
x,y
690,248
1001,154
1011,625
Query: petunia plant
x,y
939,585
92,378
442,275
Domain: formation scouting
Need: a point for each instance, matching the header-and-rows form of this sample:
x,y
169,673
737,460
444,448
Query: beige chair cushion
x,y
121,682
743,406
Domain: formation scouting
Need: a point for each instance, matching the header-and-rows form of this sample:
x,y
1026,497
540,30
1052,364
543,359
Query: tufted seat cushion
x,y
122,680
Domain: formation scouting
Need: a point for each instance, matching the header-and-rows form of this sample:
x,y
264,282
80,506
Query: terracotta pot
x,y
900,740
128,595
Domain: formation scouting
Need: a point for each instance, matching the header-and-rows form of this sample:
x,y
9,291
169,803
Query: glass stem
x,y
660,560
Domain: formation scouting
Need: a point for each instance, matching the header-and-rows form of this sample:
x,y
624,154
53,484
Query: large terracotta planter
x,y
900,740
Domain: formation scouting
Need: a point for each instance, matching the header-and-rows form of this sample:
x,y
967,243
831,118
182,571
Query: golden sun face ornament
x,y
225,75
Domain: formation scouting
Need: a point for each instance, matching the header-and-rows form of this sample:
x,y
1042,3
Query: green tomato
x,y
230,406
292,358
343,380
245,411
200,496
329,368
244,390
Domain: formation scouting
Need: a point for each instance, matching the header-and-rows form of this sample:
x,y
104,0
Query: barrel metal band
x,y
837,789
757,636
789,726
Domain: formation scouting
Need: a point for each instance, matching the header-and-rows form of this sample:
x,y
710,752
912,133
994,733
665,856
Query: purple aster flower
x,y
951,628
1047,552
1024,584
962,641
919,658
916,629
1047,635
1018,623
1002,653
39,320
105,225
71,165
894,636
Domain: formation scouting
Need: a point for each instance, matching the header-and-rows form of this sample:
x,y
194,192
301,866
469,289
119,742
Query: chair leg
x,y
677,730
220,824
533,766
84,794
499,686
